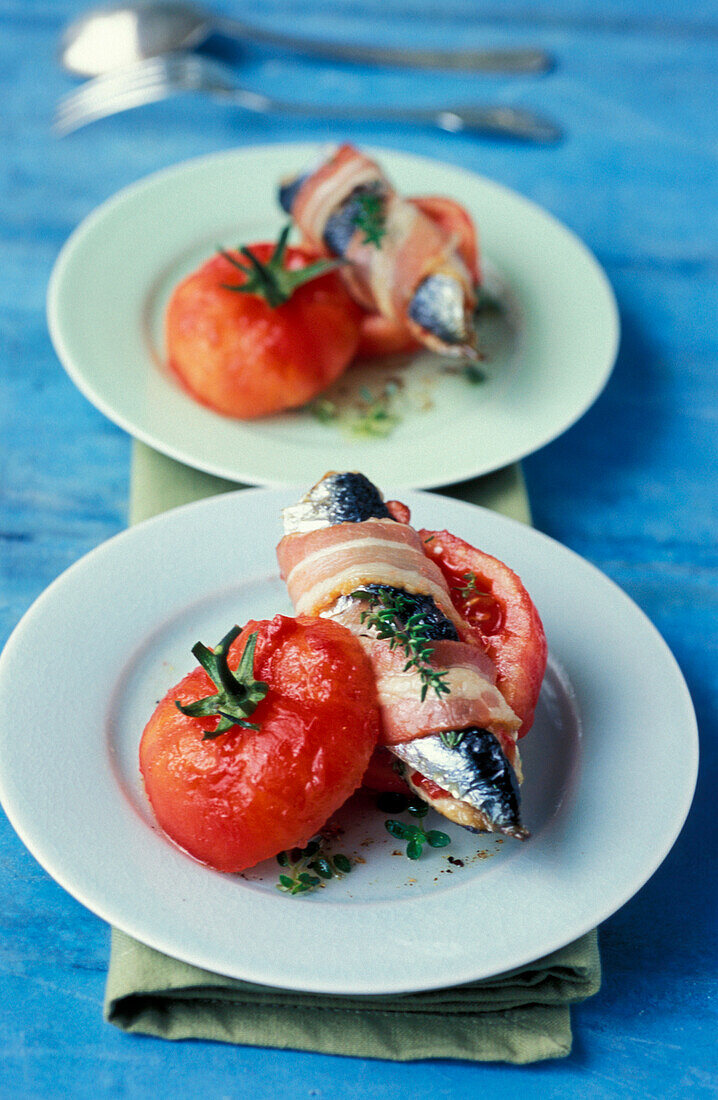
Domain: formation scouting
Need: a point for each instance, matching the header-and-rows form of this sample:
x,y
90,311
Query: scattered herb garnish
x,y
415,836
238,693
390,615
376,417
365,414
306,867
324,410
470,372
473,374
271,280
370,217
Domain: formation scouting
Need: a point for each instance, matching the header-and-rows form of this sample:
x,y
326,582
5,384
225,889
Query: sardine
x,y
440,309
471,781
474,771
289,189
337,498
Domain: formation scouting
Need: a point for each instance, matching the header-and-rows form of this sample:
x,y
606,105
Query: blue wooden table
x,y
632,486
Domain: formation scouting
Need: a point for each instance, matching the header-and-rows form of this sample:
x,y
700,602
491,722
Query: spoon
x,y
113,37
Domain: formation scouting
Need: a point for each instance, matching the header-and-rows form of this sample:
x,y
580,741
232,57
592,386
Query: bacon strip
x,y
413,247
473,698
321,565
328,187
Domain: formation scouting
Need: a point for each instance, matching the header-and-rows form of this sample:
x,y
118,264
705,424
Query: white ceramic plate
x,y
549,352
610,765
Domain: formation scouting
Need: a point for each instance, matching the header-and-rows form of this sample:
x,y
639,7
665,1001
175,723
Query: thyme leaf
x,y
452,738
391,617
473,374
323,410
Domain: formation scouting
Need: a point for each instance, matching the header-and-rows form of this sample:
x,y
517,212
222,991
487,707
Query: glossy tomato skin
x,y
500,615
246,795
235,353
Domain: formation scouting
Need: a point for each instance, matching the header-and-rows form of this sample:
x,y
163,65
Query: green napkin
x,y
521,1016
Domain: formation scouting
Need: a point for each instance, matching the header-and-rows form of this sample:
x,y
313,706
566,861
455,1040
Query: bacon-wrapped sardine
x,y
401,263
350,556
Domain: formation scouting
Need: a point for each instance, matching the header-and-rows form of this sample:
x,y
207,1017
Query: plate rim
x,y
135,926
214,465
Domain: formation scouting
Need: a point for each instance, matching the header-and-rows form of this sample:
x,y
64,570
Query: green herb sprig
x,y
370,217
390,615
376,417
307,867
414,835
324,410
452,738
238,693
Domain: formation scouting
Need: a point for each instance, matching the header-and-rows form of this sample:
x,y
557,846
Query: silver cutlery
x,y
160,78
113,37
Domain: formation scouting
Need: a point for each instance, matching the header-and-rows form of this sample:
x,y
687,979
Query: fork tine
x,y
145,82
98,98
67,121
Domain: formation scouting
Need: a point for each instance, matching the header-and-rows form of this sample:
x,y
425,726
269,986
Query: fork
x,y
158,78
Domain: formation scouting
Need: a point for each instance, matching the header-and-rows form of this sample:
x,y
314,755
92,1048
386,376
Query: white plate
x,y
610,765
549,354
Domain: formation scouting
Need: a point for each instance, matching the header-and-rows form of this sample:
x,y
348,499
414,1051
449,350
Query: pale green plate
x,y
550,347
609,765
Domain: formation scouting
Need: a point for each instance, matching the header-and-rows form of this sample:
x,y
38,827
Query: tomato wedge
x,y
500,614
457,224
379,335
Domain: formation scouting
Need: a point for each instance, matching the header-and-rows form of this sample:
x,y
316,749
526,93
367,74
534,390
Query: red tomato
x,y
500,615
379,335
237,354
457,223
246,795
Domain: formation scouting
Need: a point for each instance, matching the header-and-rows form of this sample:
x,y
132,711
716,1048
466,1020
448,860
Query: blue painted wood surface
x,y
632,487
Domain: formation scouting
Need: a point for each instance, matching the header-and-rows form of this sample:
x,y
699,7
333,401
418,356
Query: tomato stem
x,y
238,693
271,280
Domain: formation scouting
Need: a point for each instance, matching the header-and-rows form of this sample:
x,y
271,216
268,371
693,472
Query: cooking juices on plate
x,y
414,664
265,328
